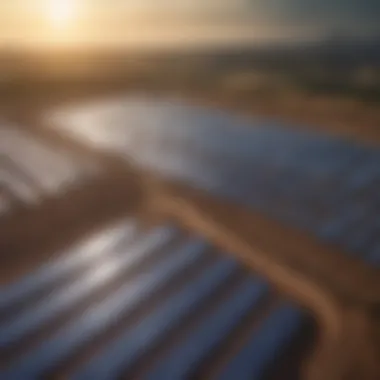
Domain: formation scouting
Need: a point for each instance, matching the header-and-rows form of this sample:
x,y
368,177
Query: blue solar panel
x,y
374,255
73,293
190,353
213,273
93,248
324,185
131,345
270,339
101,316
32,169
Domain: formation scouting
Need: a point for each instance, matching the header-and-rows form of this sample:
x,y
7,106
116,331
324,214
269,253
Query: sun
x,y
61,13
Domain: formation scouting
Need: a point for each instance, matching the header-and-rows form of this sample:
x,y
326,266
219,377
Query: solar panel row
x,y
133,268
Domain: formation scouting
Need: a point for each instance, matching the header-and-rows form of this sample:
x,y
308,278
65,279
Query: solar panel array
x,y
327,186
131,301
159,297
31,169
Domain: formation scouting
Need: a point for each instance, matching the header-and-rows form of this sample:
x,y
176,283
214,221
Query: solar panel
x,y
30,168
108,291
327,186
124,281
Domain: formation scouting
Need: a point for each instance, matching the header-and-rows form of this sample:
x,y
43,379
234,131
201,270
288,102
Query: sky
x,y
152,22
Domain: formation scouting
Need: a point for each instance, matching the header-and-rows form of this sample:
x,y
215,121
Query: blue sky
x,y
138,21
